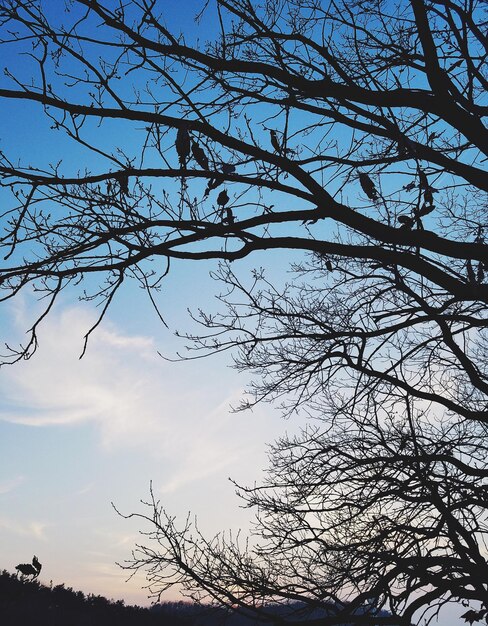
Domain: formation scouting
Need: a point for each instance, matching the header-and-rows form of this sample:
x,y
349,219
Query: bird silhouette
x,y
223,198
229,217
228,168
123,179
274,141
182,145
199,155
26,569
406,221
368,186
37,565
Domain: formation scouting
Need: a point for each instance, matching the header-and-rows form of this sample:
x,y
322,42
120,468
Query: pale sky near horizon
x,y
77,435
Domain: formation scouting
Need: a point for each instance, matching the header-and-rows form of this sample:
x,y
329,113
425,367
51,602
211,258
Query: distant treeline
x,y
272,614
29,603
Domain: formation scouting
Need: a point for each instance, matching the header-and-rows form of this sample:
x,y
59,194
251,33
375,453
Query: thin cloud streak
x,y
113,385
34,529
10,484
135,399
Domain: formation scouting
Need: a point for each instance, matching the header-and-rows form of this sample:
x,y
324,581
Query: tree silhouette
x,y
379,112
352,131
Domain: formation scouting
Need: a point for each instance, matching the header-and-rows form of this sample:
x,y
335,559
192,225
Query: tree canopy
x,y
364,120
353,132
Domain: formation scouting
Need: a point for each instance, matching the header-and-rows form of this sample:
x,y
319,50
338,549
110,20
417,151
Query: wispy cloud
x,y
111,385
10,484
135,398
34,529
84,489
155,420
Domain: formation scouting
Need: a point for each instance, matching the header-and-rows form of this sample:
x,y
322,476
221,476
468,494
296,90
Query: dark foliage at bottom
x,y
28,602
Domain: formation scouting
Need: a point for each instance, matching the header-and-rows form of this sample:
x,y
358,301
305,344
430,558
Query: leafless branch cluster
x,y
354,130
376,514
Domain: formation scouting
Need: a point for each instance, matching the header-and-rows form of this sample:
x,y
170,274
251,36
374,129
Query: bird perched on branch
x,y
182,145
36,564
274,141
423,182
123,179
228,168
222,198
368,186
229,217
26,569
199,155
406,221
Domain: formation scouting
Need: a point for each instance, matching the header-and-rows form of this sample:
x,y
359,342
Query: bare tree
x,y
382,506
347,129
377,521
353,131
